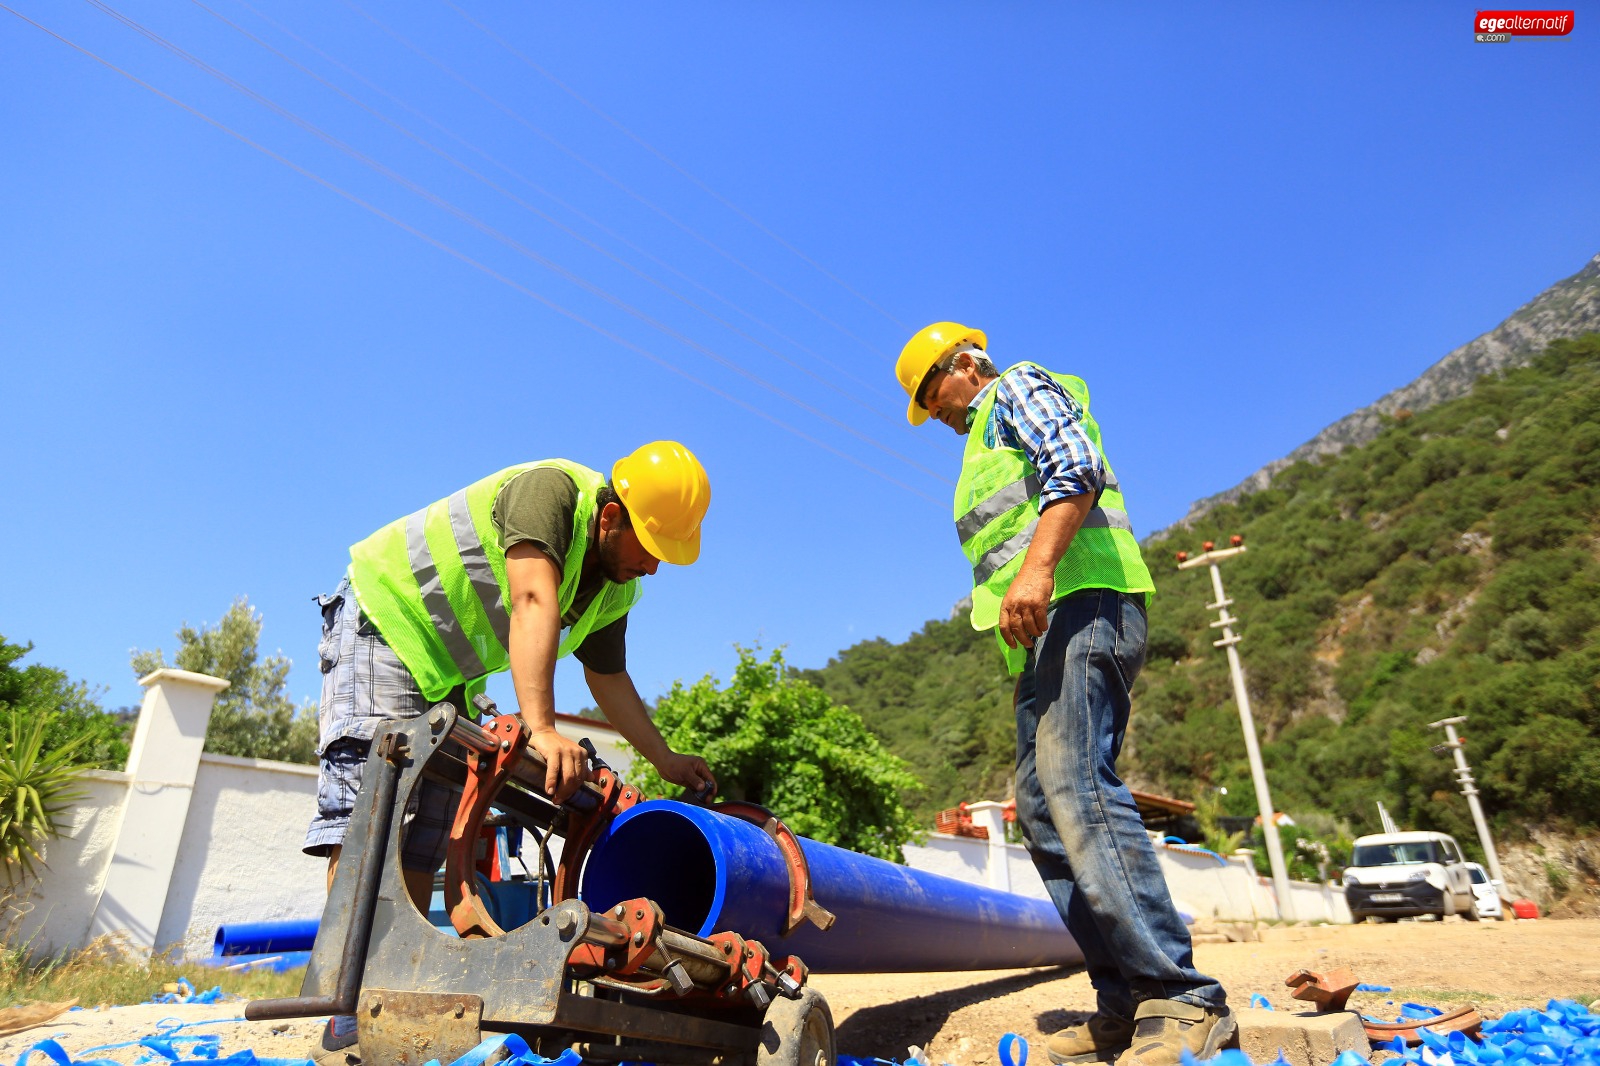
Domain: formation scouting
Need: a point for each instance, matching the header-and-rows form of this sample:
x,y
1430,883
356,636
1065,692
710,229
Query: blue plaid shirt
x,y
1034,414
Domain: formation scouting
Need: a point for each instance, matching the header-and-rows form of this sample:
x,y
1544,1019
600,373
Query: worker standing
x,y
529,564
1057,574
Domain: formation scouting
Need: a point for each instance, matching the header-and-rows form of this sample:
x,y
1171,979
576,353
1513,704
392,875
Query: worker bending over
x,y
1057,572
534,562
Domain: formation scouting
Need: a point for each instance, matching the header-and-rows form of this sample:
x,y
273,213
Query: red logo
x,y
1523,23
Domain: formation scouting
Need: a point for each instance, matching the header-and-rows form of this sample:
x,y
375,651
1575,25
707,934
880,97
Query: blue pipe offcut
x,y
262,938
711,873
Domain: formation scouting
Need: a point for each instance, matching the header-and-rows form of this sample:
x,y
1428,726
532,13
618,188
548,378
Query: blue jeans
x,y
1078,818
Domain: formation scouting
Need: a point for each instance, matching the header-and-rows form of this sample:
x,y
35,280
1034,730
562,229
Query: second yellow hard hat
x,y
925,348
666,492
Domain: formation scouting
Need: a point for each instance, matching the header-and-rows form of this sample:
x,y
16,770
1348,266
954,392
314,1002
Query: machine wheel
x,y
797,1032
1471,913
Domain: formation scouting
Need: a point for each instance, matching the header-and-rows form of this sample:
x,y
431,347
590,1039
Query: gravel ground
x,y
960,1017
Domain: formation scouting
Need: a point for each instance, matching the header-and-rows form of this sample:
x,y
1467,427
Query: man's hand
x,y
1023,617
564,763
1024,613
690,771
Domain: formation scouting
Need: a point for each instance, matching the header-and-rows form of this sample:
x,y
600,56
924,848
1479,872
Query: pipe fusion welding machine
x,y
667,932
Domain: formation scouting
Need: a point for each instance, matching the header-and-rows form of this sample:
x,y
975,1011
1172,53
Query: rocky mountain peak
x,y
1568,308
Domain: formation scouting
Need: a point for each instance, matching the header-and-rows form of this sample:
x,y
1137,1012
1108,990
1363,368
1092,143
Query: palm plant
x,y
36,786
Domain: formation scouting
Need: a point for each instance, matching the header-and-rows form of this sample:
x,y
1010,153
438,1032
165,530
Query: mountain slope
x,y
1569,308
1449,566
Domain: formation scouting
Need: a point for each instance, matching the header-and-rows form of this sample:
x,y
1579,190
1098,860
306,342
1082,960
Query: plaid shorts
x,y
364,685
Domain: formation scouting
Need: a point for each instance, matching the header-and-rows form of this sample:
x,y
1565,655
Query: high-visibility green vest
x,y
997,510
434,583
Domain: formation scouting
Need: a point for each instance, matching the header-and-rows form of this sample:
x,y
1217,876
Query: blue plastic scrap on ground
x,y
1258,1000
1364,987
1007,1043
1563,1034
168,1044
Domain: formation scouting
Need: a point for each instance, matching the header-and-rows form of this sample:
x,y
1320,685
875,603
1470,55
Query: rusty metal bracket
x,y
1327,992
1461,1020
484,778
803,905
644,923
749,963
412,1028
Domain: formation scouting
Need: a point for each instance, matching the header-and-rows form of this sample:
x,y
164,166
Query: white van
x,y
1404,875
1486,891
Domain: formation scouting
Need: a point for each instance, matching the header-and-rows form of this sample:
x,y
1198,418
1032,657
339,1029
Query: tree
x,y
253,717
71,717
774,739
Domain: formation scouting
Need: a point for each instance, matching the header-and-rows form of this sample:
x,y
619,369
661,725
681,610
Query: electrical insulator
x,y
1183,557
1208,545
1236,540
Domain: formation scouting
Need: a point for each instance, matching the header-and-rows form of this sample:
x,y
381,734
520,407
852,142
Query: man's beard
x,y
608,558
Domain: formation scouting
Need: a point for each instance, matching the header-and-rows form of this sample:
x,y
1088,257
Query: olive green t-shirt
x,y
538,507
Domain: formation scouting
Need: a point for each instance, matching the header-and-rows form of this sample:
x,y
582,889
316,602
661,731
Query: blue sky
x,y
1237,225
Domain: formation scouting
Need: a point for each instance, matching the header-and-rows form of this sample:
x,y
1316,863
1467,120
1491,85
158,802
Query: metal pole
x,y
1469,789
1258,772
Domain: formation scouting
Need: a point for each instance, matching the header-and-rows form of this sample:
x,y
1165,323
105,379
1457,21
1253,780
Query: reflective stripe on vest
x,y
479,571
1011,547
434,599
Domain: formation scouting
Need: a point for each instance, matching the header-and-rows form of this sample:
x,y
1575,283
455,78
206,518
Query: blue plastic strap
x,y
57,1054
1009,1041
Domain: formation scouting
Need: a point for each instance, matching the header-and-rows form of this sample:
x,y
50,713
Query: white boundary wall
x,y
1200,885
183,841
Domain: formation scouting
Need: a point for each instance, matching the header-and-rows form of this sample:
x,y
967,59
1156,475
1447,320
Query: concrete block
x,y
1305,1039
1240,932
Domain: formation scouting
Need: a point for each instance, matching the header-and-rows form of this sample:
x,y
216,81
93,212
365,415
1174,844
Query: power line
x,y
502,237
653,150
519,117
596,223
876,411
464,257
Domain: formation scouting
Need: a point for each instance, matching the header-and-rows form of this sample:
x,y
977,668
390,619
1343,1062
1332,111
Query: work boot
x,y
338,1046
1165,1028
1100,1039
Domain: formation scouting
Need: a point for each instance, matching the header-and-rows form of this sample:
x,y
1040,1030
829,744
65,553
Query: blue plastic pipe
x,y
265,938
712,873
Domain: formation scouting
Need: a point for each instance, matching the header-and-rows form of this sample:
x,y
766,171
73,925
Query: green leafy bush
x,y
73,717
777,740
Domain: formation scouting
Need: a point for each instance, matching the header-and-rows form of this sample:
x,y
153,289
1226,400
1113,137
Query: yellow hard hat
x,y
926,347
666,492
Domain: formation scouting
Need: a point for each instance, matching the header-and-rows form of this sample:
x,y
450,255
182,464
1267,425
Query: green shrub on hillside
x,y
1448,567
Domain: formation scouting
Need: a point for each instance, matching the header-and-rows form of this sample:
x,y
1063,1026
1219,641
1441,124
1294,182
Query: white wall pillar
x,y
988,814
163,762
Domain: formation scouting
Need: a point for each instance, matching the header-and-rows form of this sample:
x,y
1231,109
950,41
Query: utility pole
x,y
1386,819
1469,789
1269,826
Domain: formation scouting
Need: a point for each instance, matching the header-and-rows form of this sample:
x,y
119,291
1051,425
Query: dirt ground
x,y
959,1017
